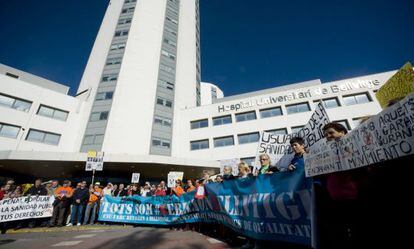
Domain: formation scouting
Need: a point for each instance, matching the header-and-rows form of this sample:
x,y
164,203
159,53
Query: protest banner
x,y
233,163
27,207
278,146
385,136
173,176
135,177
322,157
273,207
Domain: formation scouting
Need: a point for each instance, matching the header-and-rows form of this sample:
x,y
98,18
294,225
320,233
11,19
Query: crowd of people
x,y
335,193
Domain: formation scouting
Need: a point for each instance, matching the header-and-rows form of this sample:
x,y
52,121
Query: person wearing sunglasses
x,y
266,167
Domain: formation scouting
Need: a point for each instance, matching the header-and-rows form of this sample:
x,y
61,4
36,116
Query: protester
x,y
298,147
160,191
133,190
266,167
95,193
342,206
218,179
62,197
244,170
121,191
190,186
146,191
177,190
114,188
80,198
228,173
162,183
108,189
37,189
52,188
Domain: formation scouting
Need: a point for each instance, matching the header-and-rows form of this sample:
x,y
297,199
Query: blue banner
x,y
268,207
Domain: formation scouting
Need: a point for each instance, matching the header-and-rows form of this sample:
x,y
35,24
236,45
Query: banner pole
x,y
93,176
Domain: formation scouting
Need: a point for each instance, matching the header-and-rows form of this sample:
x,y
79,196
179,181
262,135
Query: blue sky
x,y
245,45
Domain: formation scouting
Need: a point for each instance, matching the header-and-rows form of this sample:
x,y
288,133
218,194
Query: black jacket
x,y
81,194
123,193
33,190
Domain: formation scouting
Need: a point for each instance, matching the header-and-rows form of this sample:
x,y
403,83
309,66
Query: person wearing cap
x,y
95,193
62,200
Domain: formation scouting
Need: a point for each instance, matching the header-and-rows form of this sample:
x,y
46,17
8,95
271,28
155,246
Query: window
x,y
51,112
171,31
344,123
114,61
356,99
128,10
245,116
169,42
163,143
213,93
12,75
124,21
296,129
199,124
171,20
164,102
166,84
282,131
43,137
223,141
104,95
168,54
118,46
248,138
109,77
98,116
271,112
15,103
10,131
93,139
328,103
166,68
222,120
296,108
199,145
357,121
162,121
121,33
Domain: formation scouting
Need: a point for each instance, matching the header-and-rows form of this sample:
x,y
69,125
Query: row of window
x,y
255,136
12,131
24,105
277,111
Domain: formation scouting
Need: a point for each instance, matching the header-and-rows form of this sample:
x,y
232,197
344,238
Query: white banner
x,y
94,161
173,176
233,163
135,177
278,146
27,207
385,136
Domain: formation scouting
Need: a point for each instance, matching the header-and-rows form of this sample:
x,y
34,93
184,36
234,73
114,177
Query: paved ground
x,y
105,237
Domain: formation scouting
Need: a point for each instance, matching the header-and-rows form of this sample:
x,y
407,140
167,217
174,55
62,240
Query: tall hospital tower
x,y
143,68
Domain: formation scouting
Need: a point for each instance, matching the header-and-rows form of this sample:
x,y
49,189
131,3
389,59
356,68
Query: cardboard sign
x,y
94,161
135,177
173,176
